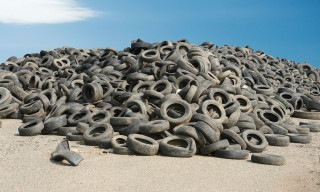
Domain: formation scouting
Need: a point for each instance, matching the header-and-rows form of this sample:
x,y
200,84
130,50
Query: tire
x,y
244,102
278,140
83,115
95,133
64,131
214,147
162,86
215,125
266,129
313,128
156,126
100,116
255,148
5,97
119,145
150,55
142,144
210,135
233,137
54,123
31,107
303,130
299,138
8,109
185,118
192,132
232,154
277,129
92,92
268,159
178,146
268,116
217,108
307,115
31,128
231,107
74,137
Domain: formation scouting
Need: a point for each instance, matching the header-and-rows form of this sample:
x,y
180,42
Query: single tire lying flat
x,y
268,159
232,154
300,138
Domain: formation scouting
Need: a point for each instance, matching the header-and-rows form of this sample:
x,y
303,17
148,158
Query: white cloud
x,y
43,11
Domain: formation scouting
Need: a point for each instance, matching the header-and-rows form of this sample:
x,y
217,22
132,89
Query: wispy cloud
x,y
43,11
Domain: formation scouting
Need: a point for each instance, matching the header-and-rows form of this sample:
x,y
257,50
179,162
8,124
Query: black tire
x,y
214,147
233,137
92,92
215,125
248,134
192,132
178,146
232,154
74,137
268,116
182,105
95,133
277,129
210,135
31,128
54,123
64,131
142,144
156,126
8,109
268,159
31,107
82,127
300,138
218,111
83,115
5,97
266,129
278,140
312,127
119,145
100,116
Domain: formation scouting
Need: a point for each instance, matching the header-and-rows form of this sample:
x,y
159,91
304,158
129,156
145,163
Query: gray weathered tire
x,y
54,123
142,144
214,147
31,128
278,140
232,154
234,137
178,146
268,159
299,138
95,133
256,148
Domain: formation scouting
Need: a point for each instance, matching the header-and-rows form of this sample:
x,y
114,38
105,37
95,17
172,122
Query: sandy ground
x,y
25,166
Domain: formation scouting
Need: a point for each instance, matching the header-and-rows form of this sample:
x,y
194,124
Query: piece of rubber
x,y
63,152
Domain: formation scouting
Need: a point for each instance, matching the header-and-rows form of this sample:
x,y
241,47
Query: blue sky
x,y
288,29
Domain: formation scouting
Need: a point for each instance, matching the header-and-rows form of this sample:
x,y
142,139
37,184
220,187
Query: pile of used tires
x,y
173,98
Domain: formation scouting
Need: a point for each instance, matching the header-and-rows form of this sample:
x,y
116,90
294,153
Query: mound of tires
x,y
170,98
